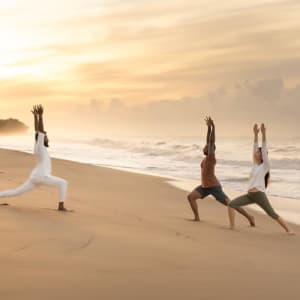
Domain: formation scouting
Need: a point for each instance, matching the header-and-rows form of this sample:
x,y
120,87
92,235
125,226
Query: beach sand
x,y
130,238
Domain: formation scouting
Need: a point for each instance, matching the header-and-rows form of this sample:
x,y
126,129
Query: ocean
x,y
179,158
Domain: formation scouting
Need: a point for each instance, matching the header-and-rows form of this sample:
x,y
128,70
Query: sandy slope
x,y
130,238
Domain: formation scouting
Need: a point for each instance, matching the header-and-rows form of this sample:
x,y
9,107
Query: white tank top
x,y
259,171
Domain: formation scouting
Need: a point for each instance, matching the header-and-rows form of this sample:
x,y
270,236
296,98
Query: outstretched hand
x,y
255,129
34,110
209,122
40,109
263,128
206,120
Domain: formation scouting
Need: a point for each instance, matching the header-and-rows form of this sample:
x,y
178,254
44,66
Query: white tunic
x,y
43,167
259,171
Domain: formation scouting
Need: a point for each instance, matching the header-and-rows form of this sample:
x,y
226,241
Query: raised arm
x,y
208,130
35,115
264,150
40,111
212,137
263,133
255,144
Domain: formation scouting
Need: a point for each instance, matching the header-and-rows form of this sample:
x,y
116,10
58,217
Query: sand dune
x,y
130,238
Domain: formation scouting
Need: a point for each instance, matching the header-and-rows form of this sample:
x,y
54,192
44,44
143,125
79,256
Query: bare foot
x,y
193,220
252,221
291,233
61,207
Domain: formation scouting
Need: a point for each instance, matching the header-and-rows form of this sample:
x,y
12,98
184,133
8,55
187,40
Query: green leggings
x,y
259,198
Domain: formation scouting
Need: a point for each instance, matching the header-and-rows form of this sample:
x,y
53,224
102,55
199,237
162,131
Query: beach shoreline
x,y
131,237
176,158
288,208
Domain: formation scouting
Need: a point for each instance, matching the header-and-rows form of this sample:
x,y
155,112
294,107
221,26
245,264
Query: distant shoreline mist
x,y
12,126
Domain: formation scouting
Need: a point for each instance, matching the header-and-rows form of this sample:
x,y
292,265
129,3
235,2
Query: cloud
x,y
24,90
172,49
234,108
203,56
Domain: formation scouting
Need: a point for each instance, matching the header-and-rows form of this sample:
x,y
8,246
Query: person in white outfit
x,y
41,174
258,183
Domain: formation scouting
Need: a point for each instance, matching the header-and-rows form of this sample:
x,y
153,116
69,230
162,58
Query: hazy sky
x,y
133,62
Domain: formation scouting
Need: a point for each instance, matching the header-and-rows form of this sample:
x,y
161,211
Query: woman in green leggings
x,y
259,180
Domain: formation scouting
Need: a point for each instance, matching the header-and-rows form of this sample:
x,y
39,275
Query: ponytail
x,y
267,176
267,179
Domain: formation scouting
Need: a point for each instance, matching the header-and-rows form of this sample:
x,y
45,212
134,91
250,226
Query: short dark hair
x,y
37,134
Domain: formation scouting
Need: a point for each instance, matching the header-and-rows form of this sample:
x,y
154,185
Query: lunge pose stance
x,y
209,182
41,175
259,181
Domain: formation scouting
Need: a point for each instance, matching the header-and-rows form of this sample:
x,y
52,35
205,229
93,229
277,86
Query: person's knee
x,y
224,201
62,183
231,204
65,183
190,197
273,215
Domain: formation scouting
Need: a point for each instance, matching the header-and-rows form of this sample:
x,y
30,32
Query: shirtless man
x,y
209,182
